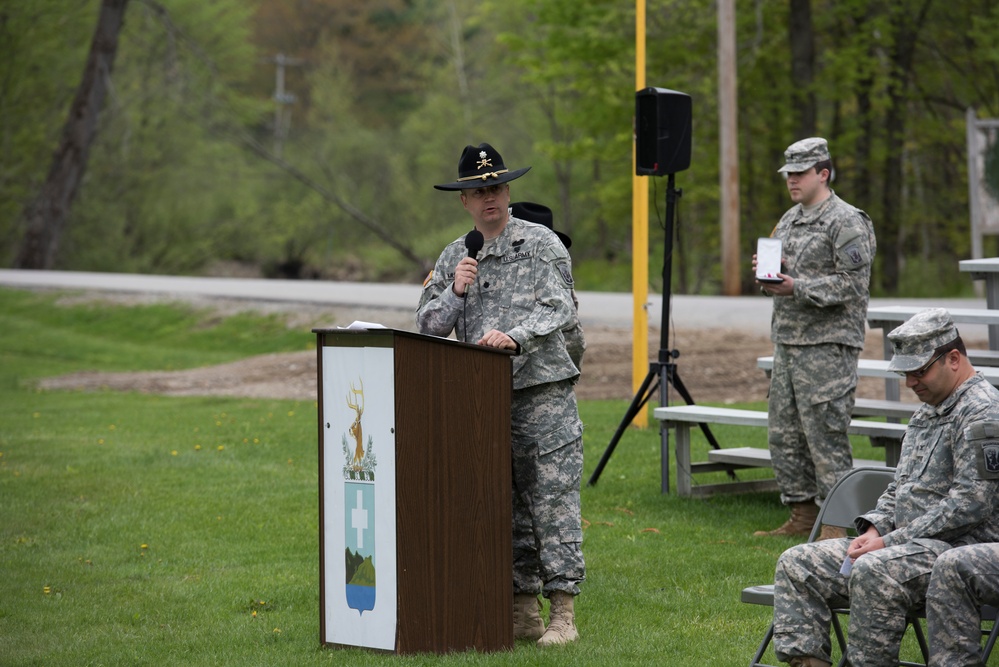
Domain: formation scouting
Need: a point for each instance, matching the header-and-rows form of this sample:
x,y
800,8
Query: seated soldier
x,y
939,499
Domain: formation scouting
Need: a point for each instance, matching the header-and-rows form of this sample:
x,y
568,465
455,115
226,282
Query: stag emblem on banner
x,y
359,460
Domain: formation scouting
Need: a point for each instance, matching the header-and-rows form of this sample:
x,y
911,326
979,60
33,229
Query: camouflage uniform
x,y
938,500
524,289
818,334
963,580
575,343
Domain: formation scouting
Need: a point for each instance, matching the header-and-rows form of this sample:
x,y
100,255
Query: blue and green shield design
x,y
359,525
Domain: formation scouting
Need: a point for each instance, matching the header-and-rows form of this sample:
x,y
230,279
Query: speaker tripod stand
x,y
663,372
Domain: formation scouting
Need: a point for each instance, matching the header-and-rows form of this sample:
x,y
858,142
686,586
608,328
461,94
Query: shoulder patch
x,y
984,436
853,252
564,271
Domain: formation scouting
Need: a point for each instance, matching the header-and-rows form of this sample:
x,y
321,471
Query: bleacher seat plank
x,y
889,317
881,407
683,417
756,457
983,357
697,414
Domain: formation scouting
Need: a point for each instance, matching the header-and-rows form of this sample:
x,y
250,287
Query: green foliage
x,y
44,45
164,194
574,58
384,95
610,276
160,190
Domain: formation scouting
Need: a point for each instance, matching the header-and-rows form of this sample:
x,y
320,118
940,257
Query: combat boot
x,y
801,521
831,533
527,623
562,624
808,661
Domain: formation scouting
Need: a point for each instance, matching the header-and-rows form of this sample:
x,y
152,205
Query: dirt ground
x,y
716,365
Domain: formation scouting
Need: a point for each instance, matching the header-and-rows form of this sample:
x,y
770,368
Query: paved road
x,y
745,313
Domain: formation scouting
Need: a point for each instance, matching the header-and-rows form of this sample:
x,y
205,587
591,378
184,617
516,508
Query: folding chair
x,y
989,613
856,493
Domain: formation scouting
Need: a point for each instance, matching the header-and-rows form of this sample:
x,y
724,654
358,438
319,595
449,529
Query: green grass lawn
x,y
147,530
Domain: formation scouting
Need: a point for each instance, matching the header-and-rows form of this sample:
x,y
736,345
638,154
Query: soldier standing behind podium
x,y
516,294
818,325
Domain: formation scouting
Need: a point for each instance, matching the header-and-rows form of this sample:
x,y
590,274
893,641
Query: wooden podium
x,y
415,505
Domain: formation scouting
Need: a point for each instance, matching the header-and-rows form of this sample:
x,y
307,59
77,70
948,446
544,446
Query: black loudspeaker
x,y
662,131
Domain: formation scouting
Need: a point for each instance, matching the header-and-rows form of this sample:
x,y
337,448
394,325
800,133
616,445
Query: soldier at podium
x,y
508,284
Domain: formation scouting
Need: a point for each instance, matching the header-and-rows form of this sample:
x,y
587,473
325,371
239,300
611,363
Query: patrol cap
x,y
914,342
805,154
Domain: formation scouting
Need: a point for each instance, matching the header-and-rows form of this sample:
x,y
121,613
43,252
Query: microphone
x,y
474,242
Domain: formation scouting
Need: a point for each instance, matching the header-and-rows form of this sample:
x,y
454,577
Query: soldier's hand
x,y
494,338
785,288
464,275
870,541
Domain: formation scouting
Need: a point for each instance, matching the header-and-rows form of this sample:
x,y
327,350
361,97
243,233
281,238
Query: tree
x,y
802,67
906,23
378,41
574,63
389,91
46,217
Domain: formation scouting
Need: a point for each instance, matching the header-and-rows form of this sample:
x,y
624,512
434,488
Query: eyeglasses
x,y
918,374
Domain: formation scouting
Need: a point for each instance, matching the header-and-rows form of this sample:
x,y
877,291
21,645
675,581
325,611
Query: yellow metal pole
x,y
639,239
